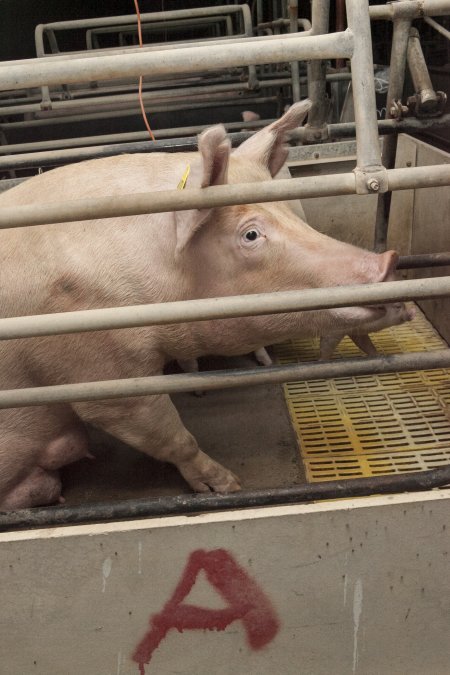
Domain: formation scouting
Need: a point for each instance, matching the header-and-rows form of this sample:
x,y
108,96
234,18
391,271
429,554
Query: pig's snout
x,y
409,313
387,264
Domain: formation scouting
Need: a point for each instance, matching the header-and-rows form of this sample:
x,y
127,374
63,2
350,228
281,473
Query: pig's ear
x,y
211,169
267,146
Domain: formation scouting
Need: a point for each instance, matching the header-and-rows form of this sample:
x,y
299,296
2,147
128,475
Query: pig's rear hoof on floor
x,y
205,475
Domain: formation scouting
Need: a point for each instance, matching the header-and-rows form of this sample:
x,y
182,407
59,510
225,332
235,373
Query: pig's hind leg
x,y
152,425
34,444
38,488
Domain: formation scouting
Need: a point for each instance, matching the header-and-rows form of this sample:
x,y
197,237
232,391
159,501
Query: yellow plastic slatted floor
x,y
371,425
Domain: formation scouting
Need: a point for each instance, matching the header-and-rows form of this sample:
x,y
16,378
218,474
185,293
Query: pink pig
x,y
154,258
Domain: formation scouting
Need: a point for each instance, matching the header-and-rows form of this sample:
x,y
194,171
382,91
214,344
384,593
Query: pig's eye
x,y
251,235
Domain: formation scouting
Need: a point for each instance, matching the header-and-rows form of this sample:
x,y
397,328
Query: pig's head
x,y
265,247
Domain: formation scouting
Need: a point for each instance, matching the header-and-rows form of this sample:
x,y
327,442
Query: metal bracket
x,y
371,180
315,134
427,104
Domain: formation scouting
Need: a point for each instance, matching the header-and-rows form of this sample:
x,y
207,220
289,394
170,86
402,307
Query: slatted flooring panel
x,y
371,424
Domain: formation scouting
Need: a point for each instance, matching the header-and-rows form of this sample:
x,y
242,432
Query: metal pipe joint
x,y
371,180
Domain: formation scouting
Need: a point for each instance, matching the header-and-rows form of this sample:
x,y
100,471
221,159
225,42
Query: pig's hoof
x,y
205,475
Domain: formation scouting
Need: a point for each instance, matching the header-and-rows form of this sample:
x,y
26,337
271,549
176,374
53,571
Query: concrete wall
x,y
344,587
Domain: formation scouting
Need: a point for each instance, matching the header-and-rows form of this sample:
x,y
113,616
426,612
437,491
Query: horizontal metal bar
x,y
413,9
41,159
52,157
130,509
221,195
254,51
148,16
108,51
423,260
182,311
153,98
169,384
131,136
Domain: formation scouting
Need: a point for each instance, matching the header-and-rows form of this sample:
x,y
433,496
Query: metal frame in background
x,y
149,19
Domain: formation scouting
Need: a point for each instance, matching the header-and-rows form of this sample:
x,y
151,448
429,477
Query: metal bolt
x,y
316,155
373,184
408,163
317,135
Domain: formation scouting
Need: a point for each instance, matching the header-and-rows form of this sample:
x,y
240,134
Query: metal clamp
x,y
371,180
313,134
427,104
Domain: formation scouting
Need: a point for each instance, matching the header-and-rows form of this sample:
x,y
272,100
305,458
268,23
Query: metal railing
x,y
369,176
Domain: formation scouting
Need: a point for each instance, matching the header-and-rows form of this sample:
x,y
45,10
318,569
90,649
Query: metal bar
x,y
53,157
368,154
130,19
33,160
293,28
203,101
153,92
130,509
437,26
151,27
170,384
423,260
316,71
108,51
397,64
182,311
396,82
220,195
423,86
130,136
254,51
340,25
152,98
412,9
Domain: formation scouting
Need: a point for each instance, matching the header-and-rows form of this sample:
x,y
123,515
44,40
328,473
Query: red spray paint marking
x,y
246,601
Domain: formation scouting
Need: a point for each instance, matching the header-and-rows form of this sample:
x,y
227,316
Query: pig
x,y
148,259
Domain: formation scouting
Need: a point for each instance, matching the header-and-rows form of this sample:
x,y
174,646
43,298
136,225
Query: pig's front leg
x,y
263,357
365,344
152,425
328,344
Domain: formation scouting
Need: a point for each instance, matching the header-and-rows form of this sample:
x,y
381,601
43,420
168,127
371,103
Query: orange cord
x,y
141,101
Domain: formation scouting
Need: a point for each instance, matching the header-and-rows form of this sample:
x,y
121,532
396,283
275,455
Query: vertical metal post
x,y
316,129
367,144
399,50
292,6
340,25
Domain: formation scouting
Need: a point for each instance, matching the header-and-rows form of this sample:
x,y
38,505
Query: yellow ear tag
x,y
182,184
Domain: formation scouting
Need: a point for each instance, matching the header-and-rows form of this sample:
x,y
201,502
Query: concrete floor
x,y
247,430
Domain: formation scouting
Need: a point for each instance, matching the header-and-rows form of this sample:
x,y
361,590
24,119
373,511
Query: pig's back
x,y
39,263
121,174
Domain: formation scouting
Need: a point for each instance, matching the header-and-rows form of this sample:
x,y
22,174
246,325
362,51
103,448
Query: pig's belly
x,y
41,484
